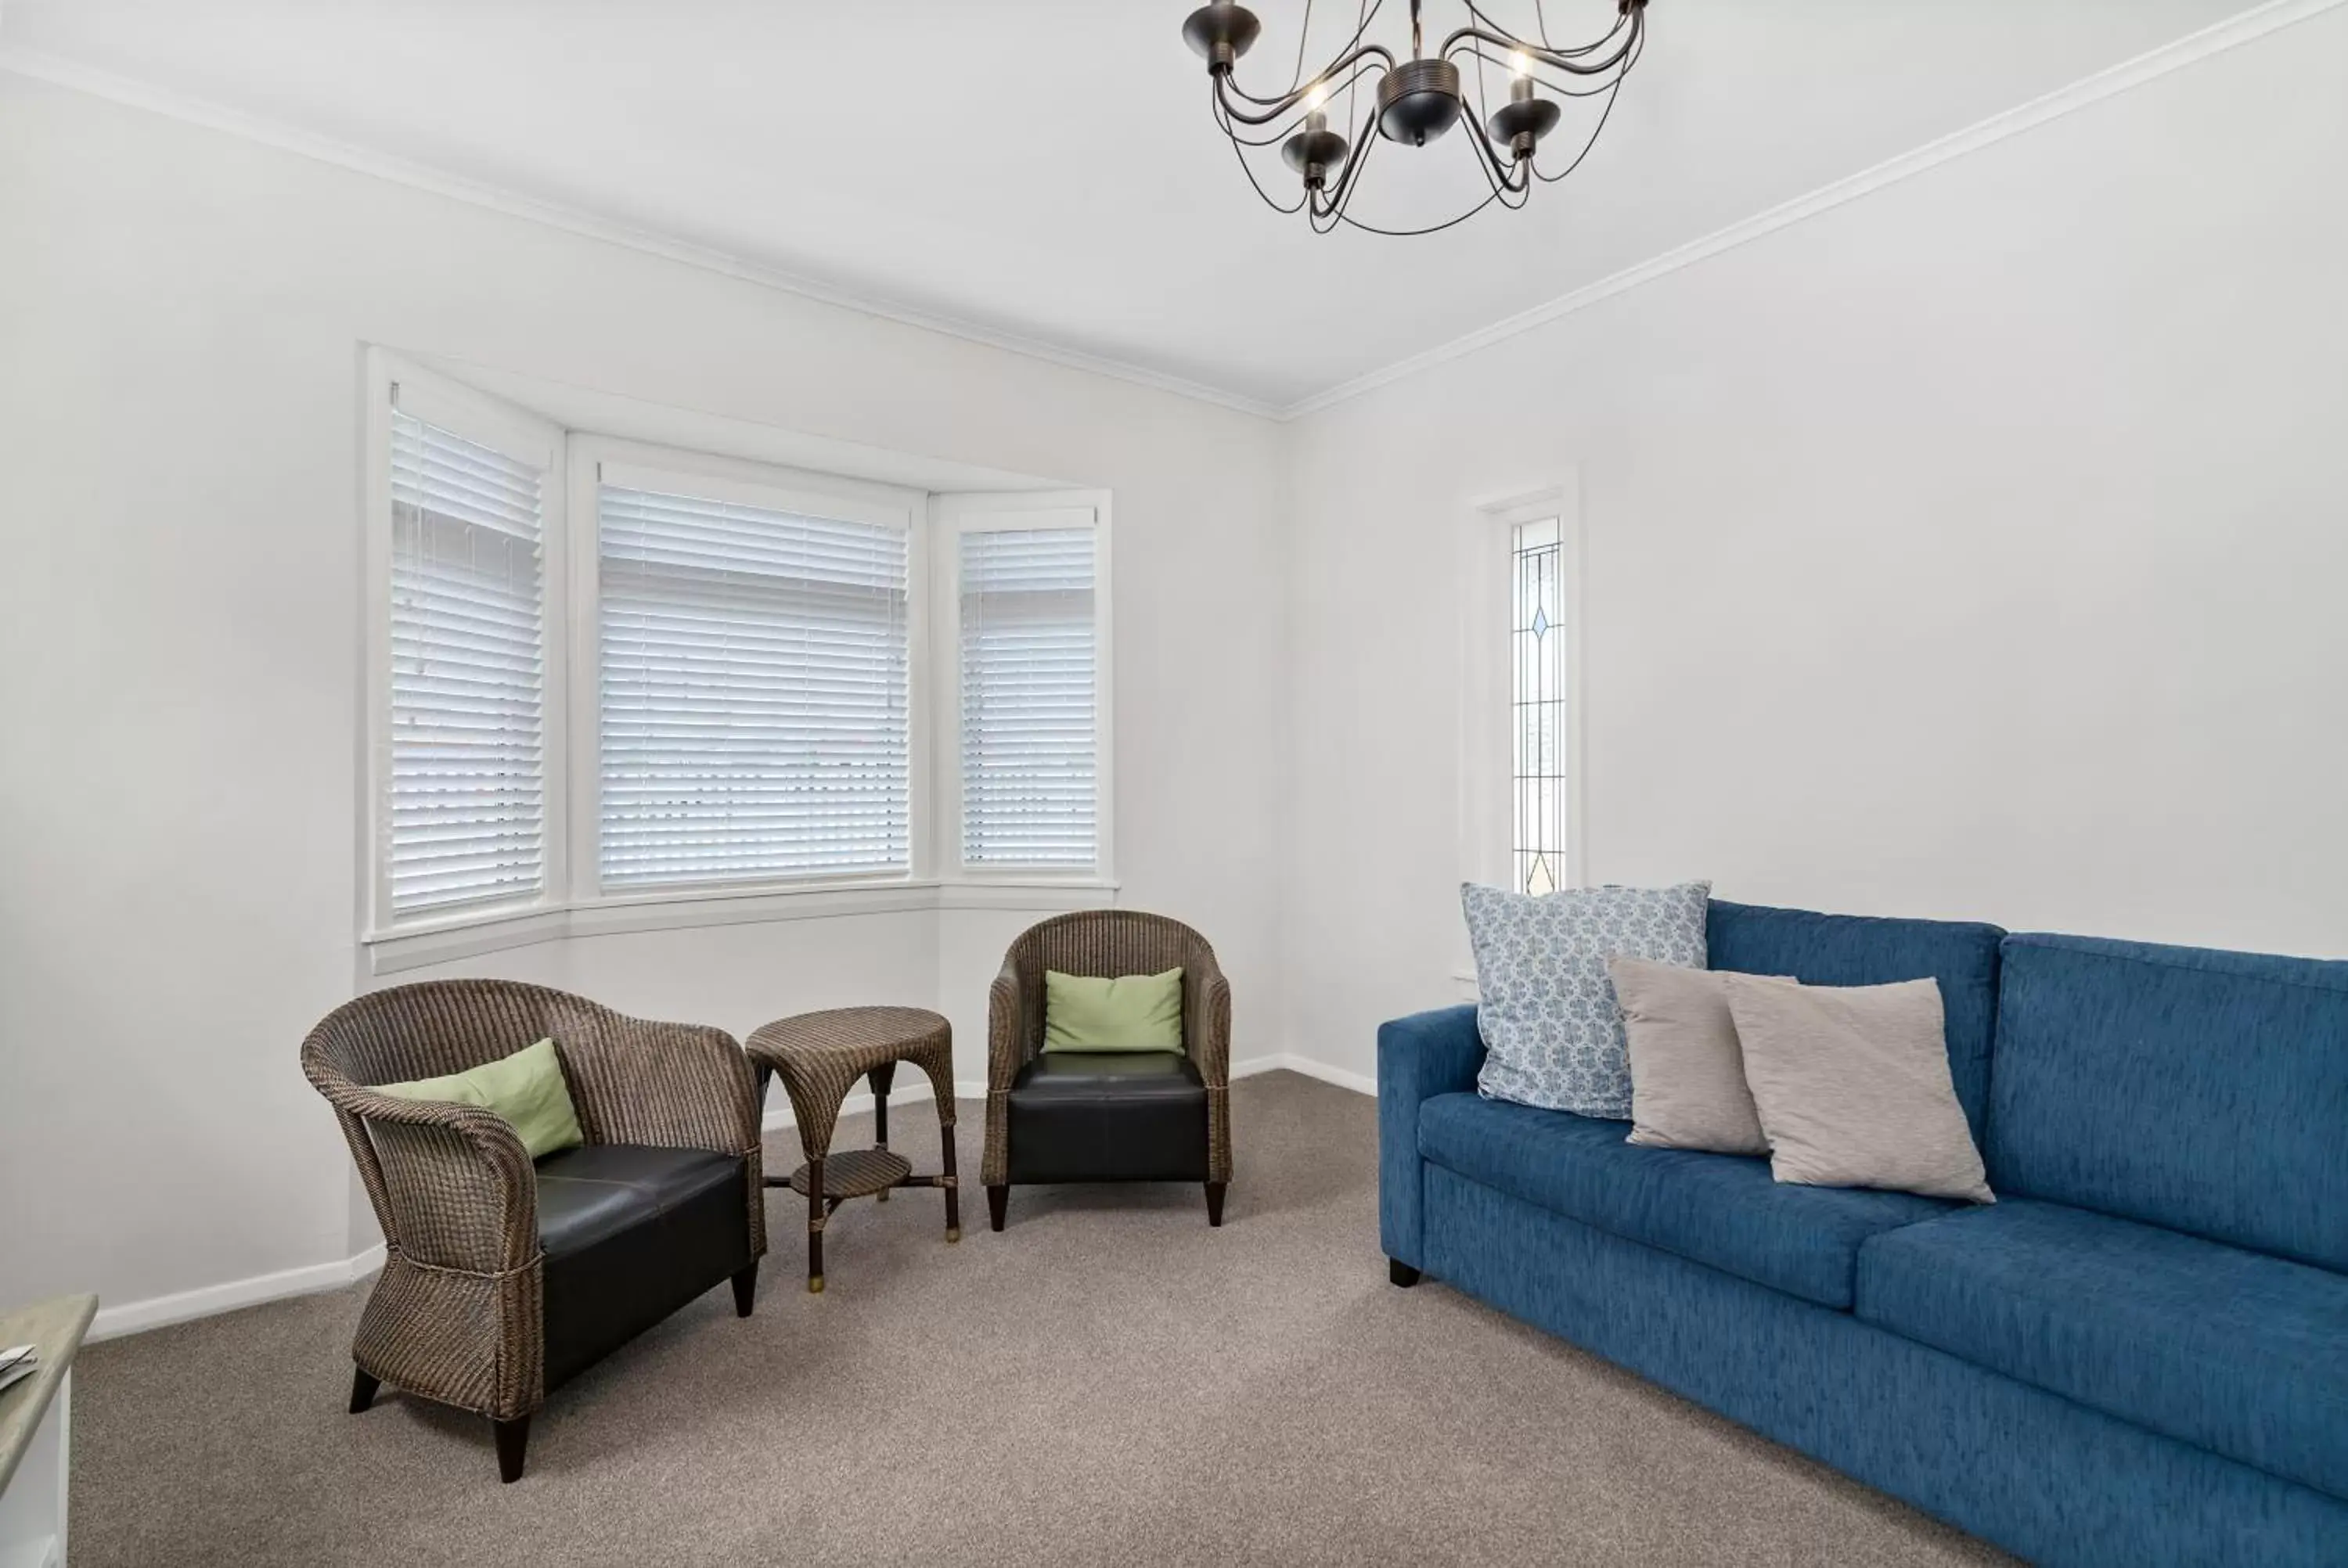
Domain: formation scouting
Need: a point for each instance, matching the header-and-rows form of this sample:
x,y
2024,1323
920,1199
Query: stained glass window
x,y
1537,676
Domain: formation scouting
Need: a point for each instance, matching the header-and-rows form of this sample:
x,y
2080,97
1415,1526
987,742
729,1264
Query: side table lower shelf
x,y
858,1173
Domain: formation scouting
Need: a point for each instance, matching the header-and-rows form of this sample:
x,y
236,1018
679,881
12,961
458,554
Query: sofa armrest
x,y
1419,1056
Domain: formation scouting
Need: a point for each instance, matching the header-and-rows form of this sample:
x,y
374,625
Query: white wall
x,y
1975,548
182,315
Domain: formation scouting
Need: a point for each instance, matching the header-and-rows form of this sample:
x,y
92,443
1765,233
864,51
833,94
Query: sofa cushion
x,y
2243,1354
631,1233
1722,1210
1107,1116
1687,1071
1863,950
527,1089
1852,1086
588,1194
1113,1012
2202,1091
1552,1030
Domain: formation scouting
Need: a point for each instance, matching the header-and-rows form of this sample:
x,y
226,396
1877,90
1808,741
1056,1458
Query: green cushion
x,y
1132,1012
526,1089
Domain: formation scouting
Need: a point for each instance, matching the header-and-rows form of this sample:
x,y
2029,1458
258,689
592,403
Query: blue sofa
x,y
2138,1355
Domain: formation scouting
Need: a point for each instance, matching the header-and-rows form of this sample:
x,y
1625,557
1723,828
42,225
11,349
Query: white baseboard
x,y
1290,1061
161,1311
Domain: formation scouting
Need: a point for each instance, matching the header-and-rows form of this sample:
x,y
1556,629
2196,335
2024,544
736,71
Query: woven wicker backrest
x,y
1107,943
436,1027
1104,944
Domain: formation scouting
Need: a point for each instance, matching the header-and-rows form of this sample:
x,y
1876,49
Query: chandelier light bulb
x,y
1521,63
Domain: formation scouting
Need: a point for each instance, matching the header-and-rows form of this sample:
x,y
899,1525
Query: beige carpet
x,y
1108,1381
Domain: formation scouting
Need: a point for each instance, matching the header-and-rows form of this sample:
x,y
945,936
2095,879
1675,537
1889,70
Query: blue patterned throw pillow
x,y
1552,1030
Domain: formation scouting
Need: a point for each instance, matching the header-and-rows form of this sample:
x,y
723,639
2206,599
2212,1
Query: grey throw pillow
x,y
1852,1086
1552,1031
1687,1075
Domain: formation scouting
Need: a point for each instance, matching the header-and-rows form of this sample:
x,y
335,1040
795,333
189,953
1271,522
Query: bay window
x,y
619,682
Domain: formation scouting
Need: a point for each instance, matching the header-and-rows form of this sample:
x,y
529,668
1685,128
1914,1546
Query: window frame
x,y
571,900
1486,770
952,516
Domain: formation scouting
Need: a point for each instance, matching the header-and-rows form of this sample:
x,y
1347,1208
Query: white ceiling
x,y
1046,168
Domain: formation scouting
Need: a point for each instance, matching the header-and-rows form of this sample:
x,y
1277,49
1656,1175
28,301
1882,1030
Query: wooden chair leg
x,y
815,1226
364,1384
998,1199
951,1175
746,1289
513,1439
1215,1203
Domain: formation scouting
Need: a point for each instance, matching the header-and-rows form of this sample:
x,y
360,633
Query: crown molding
x,y
2215,39
2148,66
60,71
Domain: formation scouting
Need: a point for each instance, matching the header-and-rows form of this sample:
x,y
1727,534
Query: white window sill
x,y
426,942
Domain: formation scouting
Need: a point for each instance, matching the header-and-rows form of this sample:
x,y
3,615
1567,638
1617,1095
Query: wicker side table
x,y
820,1056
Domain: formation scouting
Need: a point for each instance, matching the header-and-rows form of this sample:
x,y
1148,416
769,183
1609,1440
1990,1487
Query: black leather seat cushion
x,y
631,1234
1109,1116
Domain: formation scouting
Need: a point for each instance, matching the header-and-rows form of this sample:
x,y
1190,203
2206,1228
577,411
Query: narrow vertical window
x,y
466,813
1029,715
1537,705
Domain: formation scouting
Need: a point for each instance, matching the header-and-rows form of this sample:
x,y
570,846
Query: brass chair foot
x,y
815,1284
954,1232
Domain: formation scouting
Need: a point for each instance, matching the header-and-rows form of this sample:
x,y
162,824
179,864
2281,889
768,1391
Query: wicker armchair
x,y
1078,1117
474,1307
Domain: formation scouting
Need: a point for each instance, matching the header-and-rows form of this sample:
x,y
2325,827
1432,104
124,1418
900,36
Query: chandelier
x,y
1413,102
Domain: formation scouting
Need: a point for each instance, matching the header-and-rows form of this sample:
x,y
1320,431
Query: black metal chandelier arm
x,y
1303,35
1363,14
1323,213
1624,38
1562,89
1364,140
1249,170
1352,222
1515,175
1586,146
1238,151
1326,219
1542,23
1340,72
1223,123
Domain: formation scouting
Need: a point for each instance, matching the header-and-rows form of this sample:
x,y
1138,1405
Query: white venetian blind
x,y
755,705
468,809
1027,698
